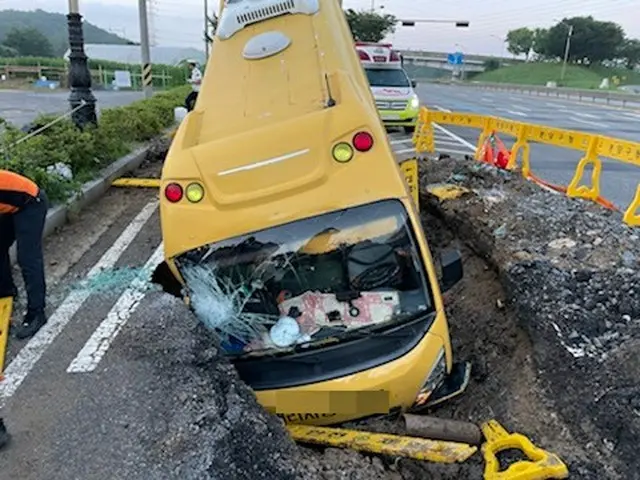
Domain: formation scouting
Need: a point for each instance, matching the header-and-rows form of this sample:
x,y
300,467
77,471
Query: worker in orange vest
x,y
23,211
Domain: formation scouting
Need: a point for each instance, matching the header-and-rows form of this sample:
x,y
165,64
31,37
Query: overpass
x,y
472,63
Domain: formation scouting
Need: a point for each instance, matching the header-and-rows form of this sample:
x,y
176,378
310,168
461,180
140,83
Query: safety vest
x,y
15,191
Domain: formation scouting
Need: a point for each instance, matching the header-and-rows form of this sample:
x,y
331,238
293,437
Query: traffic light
x,y
462,24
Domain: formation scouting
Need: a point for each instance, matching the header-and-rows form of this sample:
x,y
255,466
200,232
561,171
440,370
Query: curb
x,y
91,191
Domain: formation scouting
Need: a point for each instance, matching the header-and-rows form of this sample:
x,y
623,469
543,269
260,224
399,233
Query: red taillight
x,y
362,141
364,55
173,192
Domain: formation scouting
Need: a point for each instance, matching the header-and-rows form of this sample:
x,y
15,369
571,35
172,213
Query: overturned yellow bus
x,y
287,221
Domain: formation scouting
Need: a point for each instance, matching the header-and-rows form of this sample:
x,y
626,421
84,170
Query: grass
x,y
541,73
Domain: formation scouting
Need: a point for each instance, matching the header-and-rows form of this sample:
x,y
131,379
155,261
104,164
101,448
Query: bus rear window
x,y
297,283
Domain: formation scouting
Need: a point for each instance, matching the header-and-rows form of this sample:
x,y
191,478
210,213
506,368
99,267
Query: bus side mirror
x,y
414,84
452,271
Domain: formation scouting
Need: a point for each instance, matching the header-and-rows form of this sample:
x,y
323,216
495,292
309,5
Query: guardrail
x,y
593,146
610,97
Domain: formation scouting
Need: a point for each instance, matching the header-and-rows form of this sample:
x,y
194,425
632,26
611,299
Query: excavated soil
x,y
547,314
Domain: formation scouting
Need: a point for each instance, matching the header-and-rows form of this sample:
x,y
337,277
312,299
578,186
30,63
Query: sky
x,y
180,22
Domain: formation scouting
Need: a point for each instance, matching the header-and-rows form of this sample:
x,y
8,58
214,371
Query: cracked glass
x,y
298,283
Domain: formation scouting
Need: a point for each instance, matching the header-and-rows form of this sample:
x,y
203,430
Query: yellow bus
x,y
287,221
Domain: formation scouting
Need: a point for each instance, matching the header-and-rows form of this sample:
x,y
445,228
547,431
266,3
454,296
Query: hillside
x,y
541,73
54,27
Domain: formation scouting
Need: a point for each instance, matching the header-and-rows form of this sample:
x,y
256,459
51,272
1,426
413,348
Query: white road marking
x,y
406,150
450,142
628,114
96,347
524,109
461,140
29,355
450,134
587,122
513,112
586,115
400,140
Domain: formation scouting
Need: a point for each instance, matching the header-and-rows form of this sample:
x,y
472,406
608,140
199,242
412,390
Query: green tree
x,y
29,42
630,53
369,26
8,51
592,41
520,41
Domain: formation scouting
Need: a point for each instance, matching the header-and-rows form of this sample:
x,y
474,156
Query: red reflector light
x,y
173,192
364,55
362,141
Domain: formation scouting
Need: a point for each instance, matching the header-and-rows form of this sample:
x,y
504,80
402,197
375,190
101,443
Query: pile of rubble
x,y
571,270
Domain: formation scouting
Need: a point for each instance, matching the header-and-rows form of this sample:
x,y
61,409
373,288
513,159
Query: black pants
x,y
25,228
190,102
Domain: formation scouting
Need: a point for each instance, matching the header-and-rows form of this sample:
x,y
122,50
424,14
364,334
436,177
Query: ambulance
x,y
393,91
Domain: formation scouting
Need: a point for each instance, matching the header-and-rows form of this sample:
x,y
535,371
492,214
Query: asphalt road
x,y
79,395
20,107
75,392
557,165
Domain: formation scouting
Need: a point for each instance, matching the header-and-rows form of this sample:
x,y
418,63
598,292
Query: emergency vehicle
x,y
393,91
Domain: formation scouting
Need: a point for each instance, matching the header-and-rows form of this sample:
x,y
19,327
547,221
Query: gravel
x,y
571,270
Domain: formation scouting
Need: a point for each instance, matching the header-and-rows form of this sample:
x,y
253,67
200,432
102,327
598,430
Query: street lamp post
x,y
82,101
566,52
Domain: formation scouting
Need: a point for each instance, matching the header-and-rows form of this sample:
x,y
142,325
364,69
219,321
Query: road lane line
x,y
406,150
29,355
517,113
96,347
520,107
401,140
442,109
449,141
586,115
603,126
461,140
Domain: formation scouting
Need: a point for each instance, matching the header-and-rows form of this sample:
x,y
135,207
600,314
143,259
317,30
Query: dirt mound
x,y
571,271
216,429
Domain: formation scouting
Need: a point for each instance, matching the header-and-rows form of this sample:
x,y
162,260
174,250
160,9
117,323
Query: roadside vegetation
x,y
119,131
576,76
594,50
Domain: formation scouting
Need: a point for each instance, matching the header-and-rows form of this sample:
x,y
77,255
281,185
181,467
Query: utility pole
x,y
147,77
566,52
82,101
207,38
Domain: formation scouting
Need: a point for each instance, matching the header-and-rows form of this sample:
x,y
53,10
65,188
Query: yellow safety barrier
x,y
6,307
383,443
409,169
137,182
593,146
541,464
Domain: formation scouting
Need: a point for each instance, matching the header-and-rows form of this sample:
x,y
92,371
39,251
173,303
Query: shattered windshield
x,y
380,77
325,276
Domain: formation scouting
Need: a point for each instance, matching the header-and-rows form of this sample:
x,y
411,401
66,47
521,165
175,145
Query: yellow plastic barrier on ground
x,y
6,307
593,146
